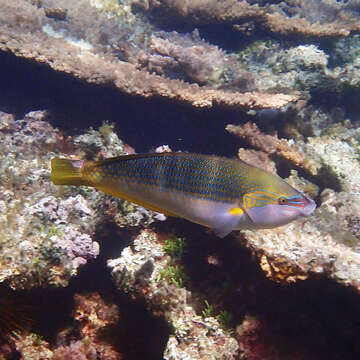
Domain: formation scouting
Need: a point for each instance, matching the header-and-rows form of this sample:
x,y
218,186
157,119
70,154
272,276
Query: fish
x,y
220,193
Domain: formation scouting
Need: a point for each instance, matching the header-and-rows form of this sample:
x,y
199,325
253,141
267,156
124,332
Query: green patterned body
x,y
196,176
219,193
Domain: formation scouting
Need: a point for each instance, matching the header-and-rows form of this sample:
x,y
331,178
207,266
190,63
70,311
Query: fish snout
x,y
274,215
308,206
301,204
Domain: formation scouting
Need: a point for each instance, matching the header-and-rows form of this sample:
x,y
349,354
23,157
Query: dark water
x,y
144,124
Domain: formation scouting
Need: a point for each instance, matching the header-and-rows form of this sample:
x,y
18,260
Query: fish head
x,y
276,206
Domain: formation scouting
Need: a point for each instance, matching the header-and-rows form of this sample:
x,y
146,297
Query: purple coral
x,y
78,246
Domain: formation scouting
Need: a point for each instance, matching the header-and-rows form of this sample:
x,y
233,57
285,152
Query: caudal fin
x,y
66,172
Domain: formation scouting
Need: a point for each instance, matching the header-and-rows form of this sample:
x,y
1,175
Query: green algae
x,y
174,274
175,247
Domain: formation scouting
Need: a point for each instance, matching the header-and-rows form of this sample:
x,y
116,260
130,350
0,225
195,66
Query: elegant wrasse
x,y
220,193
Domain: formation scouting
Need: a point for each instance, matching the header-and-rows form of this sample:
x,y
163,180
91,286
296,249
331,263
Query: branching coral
x,y
329,158
271,144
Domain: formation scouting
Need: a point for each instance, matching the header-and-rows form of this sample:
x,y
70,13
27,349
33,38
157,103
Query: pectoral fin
x,y
234,219
230,222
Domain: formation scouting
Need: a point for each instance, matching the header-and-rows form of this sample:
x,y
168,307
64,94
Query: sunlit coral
x,y
279,271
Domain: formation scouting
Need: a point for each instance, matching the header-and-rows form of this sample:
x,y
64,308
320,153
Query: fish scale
x,y
190,176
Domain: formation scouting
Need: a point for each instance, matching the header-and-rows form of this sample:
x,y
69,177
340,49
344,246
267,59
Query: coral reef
x,y
86,339
325,243
274,66
47,232
327,155
305,18
202,63
271,145
285,74
257,158
92,315
253,340
203,11
77,56
34,347
33,220
307,67
139,271
127,52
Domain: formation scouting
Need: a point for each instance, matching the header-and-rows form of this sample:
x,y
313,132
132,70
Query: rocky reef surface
x,y
278,84
47,233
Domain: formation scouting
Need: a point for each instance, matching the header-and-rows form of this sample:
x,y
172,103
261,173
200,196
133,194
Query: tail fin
x,y
67,172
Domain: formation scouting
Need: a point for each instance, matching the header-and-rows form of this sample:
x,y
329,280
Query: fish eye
x,y
282,201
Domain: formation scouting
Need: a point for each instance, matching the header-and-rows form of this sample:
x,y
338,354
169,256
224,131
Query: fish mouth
x,y
308,207
302,204
274,215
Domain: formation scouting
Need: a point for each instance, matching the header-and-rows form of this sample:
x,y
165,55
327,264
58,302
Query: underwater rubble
x,y
290,85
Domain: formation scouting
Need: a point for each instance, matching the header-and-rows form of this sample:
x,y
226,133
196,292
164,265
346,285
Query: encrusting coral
x,y
33,220
325,244
92,315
